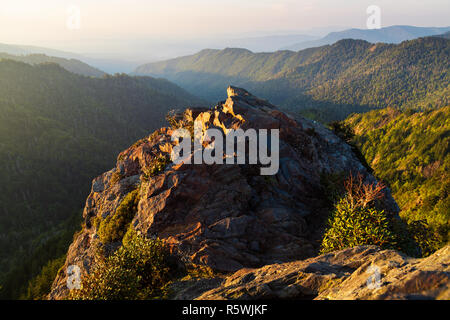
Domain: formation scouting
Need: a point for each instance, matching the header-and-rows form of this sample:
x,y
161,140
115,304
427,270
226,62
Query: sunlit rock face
x,y
363,273
225,216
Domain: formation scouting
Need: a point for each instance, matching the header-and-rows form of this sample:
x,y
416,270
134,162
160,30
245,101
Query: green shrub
x,y
351,226
156,166
140,269
358,220
114,227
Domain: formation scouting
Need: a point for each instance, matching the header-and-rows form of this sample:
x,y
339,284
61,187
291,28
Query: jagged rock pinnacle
x,y
224,216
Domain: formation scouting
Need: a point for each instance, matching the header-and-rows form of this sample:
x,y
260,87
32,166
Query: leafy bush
x,y
114,227
357,219
156,166
352,226
140,269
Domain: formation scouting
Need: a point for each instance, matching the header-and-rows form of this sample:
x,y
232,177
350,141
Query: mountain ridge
x,y
72,65
392,34
103,64
336,80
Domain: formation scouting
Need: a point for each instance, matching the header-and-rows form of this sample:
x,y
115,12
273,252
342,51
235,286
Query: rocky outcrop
x,y
344,275
227,217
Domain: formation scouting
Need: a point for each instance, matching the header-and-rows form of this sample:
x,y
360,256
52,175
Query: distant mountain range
x,y
103,64
16,49
72,65
393,34
152,50
332,81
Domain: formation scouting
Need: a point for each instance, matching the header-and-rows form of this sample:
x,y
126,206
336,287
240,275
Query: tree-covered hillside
x,y
72,65
411,152
58,131
326,83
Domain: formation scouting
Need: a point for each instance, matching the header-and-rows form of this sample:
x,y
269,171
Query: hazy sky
x,y
109,22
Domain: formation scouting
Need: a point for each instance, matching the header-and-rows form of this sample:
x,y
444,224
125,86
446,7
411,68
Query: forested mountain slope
x,y
72,65
411,152
326,83
58,130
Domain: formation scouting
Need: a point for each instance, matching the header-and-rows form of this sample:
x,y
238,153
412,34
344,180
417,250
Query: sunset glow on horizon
x,y
113,23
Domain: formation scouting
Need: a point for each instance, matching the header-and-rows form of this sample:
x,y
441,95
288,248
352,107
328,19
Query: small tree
x,y
140,269
114,227
356,220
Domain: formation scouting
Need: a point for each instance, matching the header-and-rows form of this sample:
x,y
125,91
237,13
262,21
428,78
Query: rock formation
x,y
344,275
227,217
